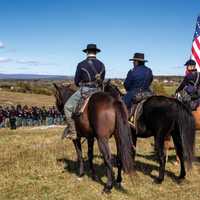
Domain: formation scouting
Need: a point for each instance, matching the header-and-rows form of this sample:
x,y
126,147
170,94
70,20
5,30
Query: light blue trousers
x,y
71,104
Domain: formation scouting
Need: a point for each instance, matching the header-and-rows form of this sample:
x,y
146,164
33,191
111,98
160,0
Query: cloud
x,y
28,62
1,45
35,62
5,60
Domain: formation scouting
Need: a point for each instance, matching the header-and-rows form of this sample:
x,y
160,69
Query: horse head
x,y
62,94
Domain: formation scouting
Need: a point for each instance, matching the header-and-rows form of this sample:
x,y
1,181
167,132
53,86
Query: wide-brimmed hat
x,y
138,57
92,47
190,62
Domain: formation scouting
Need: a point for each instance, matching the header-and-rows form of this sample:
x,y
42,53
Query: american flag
x,y
196,45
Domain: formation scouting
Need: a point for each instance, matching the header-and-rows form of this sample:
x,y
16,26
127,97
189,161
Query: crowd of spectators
x,y
22,116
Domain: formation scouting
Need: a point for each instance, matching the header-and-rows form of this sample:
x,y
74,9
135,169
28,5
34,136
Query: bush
x,y
159,89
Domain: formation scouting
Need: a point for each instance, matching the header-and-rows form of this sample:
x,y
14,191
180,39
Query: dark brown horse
x,y
103,117
163,116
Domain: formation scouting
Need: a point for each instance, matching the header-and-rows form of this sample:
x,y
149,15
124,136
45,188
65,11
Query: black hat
x,y
138,57
91,47
190,62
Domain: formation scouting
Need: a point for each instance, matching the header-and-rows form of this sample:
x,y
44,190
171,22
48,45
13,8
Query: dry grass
x,y
13,98
29,170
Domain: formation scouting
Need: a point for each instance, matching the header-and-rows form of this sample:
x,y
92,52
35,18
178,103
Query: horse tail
x,y
186,125
124,140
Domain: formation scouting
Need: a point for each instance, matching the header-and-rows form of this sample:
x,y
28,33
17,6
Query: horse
x,y
163,116
103,117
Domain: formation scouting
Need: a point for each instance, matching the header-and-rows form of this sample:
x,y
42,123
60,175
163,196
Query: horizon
x,y
47,37
72,76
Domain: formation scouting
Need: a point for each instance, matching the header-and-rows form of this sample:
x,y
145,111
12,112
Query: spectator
x,y
29,116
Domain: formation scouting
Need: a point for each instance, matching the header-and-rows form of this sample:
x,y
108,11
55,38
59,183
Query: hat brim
x,y
97,50
187,64
138,59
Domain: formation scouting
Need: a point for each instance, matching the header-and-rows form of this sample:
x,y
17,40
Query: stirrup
x,y
69,135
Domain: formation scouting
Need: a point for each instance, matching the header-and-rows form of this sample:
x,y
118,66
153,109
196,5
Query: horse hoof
x,y
181,177
81,175
95,178
106,190
158,180
119,185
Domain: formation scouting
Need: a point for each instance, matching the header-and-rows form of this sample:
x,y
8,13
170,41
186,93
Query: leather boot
x,y
70,130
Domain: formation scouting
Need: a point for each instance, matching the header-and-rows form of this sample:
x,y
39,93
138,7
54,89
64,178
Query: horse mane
x,y
112,89
62,93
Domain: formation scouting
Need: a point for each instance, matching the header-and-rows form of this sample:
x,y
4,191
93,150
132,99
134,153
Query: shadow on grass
x,y
146,168
72,167
154,157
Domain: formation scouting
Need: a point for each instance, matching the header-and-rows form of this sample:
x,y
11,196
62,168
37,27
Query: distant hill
x,y
33,77
59,77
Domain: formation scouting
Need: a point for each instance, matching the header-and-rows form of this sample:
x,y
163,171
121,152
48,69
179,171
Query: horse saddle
x,y
135,114
83,103
184,97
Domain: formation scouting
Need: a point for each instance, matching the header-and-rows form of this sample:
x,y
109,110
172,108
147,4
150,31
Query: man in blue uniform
x,y
190,85
89,73
138,79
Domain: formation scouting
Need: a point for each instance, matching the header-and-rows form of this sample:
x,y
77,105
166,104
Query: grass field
x,y
14,98
29,169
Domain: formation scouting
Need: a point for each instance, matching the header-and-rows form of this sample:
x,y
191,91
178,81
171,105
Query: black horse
x,y
163,116
103,117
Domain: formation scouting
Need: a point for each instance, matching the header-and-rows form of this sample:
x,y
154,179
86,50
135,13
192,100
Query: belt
x,y
89,84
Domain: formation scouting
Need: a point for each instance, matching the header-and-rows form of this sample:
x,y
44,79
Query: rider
x,y
138,79
191,81
89,72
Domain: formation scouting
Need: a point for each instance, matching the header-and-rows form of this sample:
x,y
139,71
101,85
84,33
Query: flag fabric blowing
x,y
196,45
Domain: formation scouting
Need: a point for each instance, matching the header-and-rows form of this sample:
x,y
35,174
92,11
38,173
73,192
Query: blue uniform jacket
x,y
189,82
87,69
138,79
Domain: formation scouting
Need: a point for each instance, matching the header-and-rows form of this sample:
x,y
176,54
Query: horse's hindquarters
x,y
196,115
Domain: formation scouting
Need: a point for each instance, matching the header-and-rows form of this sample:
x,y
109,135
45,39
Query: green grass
x,y
170,90
29,170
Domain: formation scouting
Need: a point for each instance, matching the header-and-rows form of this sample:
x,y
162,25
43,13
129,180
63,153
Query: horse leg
x,y
161,157
119,162
167,142
105,150
179,152
90,158
77,144
119,168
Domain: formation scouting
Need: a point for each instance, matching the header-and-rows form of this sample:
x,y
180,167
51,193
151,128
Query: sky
x,y
48,36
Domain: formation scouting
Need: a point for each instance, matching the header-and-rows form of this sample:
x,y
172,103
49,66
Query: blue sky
x,y
47,36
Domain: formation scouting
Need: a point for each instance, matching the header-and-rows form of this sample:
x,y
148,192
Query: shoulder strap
x,y
88,74
93,68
